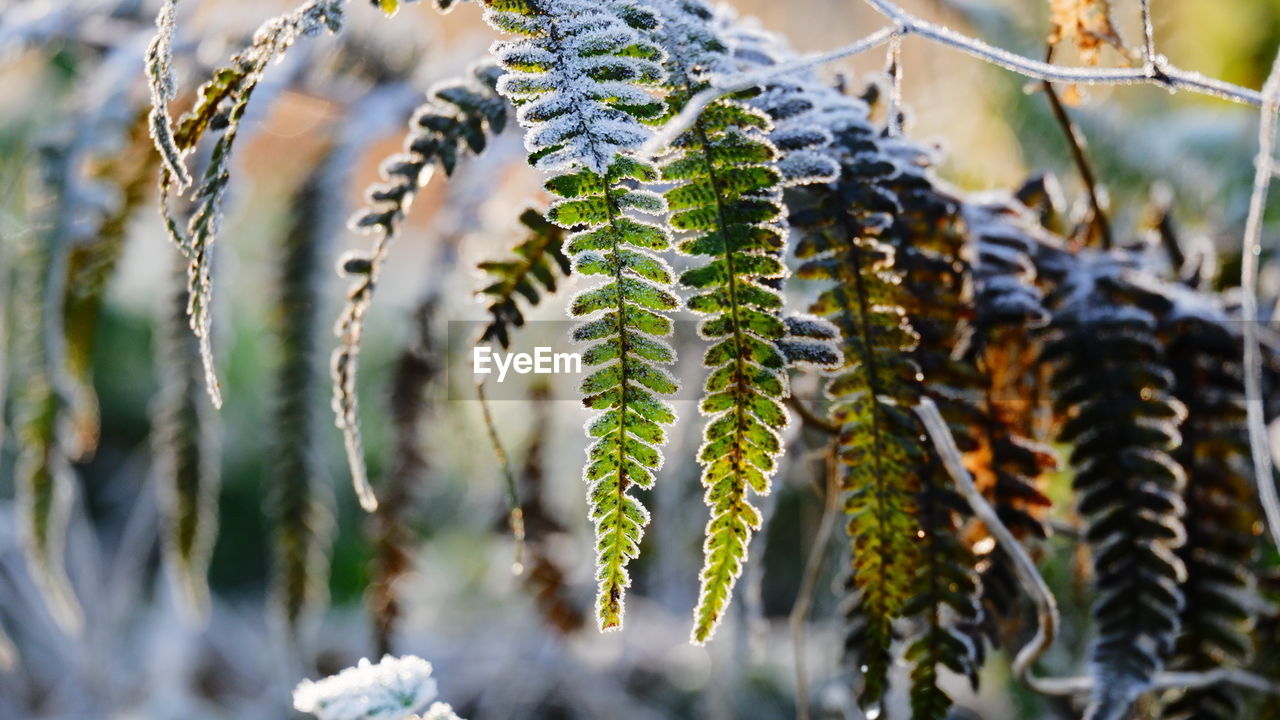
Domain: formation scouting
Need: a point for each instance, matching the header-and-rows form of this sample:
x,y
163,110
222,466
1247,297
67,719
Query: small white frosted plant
x,y
394,689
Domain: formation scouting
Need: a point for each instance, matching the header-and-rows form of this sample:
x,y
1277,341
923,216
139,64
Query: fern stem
x,y
515,513
1264,164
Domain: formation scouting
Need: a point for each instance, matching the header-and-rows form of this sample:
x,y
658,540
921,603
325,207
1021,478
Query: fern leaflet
x,y
579,77
458,117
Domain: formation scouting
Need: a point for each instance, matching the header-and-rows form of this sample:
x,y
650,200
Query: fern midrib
x,y
1101,372
623,481
869,364
739,488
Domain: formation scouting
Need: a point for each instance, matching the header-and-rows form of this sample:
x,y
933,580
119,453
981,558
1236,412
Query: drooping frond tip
x,y
458,117
580,75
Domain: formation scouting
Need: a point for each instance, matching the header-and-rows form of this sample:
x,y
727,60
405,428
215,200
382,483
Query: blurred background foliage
x,y
499,653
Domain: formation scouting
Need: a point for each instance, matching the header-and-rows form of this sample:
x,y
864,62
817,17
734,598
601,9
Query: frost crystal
x,y
394,689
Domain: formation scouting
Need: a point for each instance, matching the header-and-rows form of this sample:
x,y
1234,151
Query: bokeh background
x,y
502,646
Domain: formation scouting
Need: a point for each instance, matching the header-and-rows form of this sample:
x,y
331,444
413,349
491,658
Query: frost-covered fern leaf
x,y
625,321
186,457
1113,389
1203,350
579,77
458,117
164,87
220,106
803,127
539,258
811,342
299,502
725,198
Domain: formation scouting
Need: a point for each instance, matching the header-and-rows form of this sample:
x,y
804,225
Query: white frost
x,y
394,689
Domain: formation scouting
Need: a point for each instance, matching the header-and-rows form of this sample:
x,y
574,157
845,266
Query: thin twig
x,y
1148,36
811,418
516,514
1076,143
799,617
1046,605
1035,585
894,121
720,87
1251,248
1159,72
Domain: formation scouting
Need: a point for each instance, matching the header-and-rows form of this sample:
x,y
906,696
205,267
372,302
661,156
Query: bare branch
x,y
720,87
1159,73
894,121
1076,143
1148,36
1251,247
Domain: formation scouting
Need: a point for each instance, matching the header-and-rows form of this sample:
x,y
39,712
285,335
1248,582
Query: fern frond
x,y
89,267
416,370
625,321
579,77
186,457
298,499
220,106
458,117
910,568
44,480
1008,467
725,197
163,86
538,258
1203,350
1113,388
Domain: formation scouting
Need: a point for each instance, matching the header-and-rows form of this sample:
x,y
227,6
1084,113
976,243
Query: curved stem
x,y
1250,251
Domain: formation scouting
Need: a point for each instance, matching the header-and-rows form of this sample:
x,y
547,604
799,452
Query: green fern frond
x,y
910,568
725,196
186,457
625,321
538,258
1114,391
579,77
220,106
458,117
